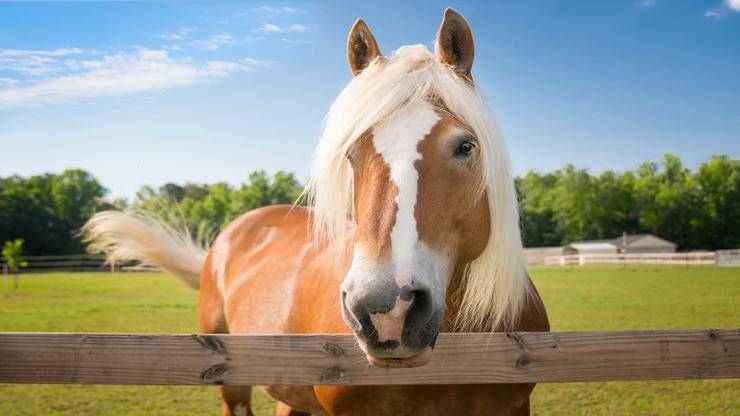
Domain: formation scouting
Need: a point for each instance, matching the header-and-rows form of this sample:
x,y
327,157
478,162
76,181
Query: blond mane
x,y
496,283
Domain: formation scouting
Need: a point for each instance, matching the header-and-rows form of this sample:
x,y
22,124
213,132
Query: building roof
x,y
609,241
629,240
617,242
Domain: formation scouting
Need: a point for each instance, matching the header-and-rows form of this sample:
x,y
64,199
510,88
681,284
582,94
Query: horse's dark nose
x,y
387,316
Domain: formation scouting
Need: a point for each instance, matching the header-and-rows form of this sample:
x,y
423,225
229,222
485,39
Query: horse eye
x,y
465,149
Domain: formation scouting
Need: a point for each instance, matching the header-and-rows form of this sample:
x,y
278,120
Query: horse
x,y
411,229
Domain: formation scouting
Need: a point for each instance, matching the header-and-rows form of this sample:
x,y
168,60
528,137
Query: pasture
x,y
577,298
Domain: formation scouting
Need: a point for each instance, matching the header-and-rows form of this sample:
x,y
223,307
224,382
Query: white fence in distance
x,y
677,259
728,258
721,258
71,263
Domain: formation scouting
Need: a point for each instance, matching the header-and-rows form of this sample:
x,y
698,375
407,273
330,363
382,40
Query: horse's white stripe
x,y
396,139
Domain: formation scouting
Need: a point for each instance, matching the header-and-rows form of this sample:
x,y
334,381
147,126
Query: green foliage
x,y
12,253
206,209
48,210
697,210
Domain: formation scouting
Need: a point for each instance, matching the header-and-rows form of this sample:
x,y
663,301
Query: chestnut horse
x,y
432,243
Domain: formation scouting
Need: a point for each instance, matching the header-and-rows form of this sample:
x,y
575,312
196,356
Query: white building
x,y
590,247
638,243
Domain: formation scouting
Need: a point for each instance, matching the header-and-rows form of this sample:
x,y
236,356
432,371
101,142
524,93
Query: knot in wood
x,y
333,349
214,374
212,343
523,361
518,339
331,374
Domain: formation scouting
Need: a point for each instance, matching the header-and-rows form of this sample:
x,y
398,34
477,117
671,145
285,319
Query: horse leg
x,y
285,410
524,410
236,400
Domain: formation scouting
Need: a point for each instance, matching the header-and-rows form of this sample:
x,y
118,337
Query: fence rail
x,y
677,259
728,258
336,359
69,263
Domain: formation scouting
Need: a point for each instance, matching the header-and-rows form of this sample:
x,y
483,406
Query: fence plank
x,y
336,359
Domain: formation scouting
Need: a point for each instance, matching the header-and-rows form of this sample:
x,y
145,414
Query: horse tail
x,y
125,236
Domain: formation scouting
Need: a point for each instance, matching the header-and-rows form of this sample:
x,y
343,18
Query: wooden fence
x,y
336,359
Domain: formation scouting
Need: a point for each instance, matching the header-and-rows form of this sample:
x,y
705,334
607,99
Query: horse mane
x,y
496,284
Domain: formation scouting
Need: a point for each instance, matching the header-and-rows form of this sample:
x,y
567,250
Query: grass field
x,y
577,298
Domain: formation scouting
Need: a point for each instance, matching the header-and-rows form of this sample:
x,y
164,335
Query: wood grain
x,y
336,359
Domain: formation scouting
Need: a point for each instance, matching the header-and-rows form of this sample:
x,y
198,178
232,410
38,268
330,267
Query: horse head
x,y
410,145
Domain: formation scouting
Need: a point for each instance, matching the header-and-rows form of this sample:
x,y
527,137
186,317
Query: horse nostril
x,y
349,313
407,293
421,309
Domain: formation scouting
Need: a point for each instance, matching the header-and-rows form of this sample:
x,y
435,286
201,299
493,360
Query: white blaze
x,y
396,139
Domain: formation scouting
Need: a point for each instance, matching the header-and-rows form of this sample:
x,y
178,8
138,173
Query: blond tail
x,y
124,236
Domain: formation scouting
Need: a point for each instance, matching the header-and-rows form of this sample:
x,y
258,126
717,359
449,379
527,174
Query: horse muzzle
x,y
395,327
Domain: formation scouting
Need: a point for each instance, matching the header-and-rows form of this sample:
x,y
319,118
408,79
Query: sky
x,y
144,93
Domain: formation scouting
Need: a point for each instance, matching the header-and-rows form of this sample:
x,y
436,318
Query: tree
x,y
172,191
12,253
48,210
717,183
697,210
205,209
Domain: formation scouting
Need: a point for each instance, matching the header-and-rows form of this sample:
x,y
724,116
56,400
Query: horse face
x,y
419,216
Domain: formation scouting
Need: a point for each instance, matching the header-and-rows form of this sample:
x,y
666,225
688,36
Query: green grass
x,y
577,298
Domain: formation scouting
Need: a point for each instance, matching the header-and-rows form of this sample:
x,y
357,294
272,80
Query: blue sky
x,y
151,92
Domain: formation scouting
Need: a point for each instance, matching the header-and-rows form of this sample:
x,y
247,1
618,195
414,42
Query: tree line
x,y
47,211
696,209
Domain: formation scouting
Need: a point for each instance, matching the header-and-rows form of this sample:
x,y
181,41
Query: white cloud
x,y
8,81
215,41
646,3
297,28
38,53
719,12
117,74
30,67
712,14
173,48
179,34
271,28
276,10
268,28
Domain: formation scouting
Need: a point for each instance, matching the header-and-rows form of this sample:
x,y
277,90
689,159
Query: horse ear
x,y
361,47
455,43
